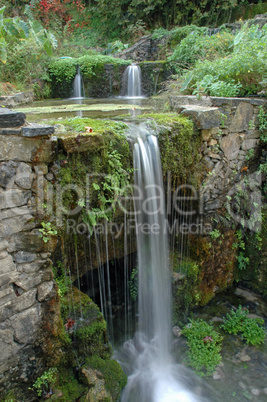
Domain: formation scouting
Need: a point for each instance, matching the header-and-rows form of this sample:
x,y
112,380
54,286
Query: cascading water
x,y
78,87
152,377
134,81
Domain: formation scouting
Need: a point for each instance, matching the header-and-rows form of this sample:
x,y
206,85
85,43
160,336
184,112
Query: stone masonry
x,y
26,280
230,146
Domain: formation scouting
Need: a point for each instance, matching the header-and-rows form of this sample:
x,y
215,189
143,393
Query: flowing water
x,y
146,359
134,81
78,87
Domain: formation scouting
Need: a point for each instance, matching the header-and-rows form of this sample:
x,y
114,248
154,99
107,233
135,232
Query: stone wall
x,y
26,279
230,141
230,191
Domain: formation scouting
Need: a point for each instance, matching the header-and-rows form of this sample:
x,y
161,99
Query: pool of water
x,y
85,107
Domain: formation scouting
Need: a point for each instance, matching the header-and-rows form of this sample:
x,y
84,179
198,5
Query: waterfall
x,y
78,87
146,359
133,75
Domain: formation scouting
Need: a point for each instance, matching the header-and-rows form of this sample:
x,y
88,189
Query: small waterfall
x,y
146,359
134,81
78,87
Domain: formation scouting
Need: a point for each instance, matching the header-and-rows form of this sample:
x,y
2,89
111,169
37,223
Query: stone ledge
x,y
36,130
205,117
8,118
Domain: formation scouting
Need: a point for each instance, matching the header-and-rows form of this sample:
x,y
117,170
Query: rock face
x,y
26,283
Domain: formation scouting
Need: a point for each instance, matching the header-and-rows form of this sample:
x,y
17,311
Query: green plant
x,y
204,346
62,280
47,231
239,69
251,329
45,382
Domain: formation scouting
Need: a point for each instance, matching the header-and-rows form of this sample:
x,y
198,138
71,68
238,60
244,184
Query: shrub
x,y
199,45
251,329
204,346
241,67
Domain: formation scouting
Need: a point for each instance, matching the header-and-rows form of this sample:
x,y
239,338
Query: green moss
x,y
68,384
115,379
179,144
185,292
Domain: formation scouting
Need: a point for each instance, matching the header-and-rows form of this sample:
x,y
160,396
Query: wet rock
x,y
255,392
24,256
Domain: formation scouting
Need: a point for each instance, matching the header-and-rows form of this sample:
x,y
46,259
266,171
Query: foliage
x,y
14,29
178,143
115,379
204,346
198,45
63,281
241,69
251,329
47,231
64,69
262,117
44,383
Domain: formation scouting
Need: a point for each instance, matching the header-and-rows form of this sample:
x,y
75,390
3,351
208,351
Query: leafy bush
x,y
251,329
199,45
241,67
204,346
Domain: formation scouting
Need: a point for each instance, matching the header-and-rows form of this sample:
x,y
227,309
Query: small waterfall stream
x,y
78,87
146,359
134,81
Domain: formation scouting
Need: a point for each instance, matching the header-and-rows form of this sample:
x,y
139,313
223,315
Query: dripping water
x,y
78,86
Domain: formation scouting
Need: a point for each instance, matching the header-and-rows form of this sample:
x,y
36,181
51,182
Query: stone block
x,y
7,172
242,117
230,145
30,241
6,296
3,245
8,347
37,130
33,267
18,304
44,290
8,118
6,279
204,117
10,226
37,150
17,211
13,198
27,282
249,144
25,325
10,131
24,257
7,265
24,176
